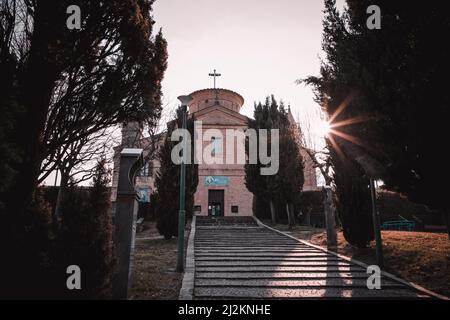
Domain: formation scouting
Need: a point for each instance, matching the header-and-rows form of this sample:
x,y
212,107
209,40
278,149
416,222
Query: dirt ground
x,y
153,274
419,257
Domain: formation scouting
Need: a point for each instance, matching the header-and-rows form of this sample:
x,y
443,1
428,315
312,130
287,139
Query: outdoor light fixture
x,y
185,100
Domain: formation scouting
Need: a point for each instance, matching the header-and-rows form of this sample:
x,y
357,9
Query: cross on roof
x,y
215,74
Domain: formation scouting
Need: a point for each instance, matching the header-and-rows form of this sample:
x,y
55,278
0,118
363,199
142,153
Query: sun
x,y
323,128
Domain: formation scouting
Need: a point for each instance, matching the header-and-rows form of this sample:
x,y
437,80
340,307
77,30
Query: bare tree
x,y
76,162
151,134
319,155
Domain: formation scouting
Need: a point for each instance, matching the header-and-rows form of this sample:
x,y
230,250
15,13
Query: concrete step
x,y
278,252
221,221
235,262
270,263
264,254
294,293
248,241
221,244
280,259
254,247
278,269
238,233
234,251
293,283
281,275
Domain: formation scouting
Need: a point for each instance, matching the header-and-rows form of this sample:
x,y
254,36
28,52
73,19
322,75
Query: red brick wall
x,y
235,194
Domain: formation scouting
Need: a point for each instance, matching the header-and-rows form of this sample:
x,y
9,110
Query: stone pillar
x,y
330,219
131,160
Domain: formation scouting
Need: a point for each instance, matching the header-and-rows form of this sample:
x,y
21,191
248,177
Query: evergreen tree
x,y
101,229
353,201
334,91
60,85
38,254
86,240
168,182
406,67
283,188
290,177
391,81
70,84
262,186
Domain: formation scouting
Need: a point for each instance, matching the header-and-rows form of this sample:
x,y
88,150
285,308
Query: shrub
x,y
86,236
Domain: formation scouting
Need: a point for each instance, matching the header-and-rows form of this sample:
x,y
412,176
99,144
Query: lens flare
x,y
323,128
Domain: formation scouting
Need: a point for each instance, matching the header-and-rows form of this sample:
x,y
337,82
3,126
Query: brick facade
x,y
217,109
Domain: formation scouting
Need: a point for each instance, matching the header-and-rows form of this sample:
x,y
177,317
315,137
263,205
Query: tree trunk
x,y
288,216
330,223
60,199
37,83
272,212
308,217
292,212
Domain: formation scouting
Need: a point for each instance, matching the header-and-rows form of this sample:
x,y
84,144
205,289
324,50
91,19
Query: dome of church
x,y
206,98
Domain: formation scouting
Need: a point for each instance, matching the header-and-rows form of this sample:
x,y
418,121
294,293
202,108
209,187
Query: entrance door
x,y
215,203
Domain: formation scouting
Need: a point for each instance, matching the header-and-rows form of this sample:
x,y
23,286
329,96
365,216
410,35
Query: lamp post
x,y
182,212
376,225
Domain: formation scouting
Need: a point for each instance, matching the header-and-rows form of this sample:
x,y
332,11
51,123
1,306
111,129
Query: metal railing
x,y
400,225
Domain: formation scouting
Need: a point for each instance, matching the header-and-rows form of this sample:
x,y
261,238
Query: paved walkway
x,y
249,261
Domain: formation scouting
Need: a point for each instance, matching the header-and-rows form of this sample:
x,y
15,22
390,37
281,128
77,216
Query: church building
x,y
221,190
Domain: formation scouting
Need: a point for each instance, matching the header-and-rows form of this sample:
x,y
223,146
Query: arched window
x,y
216,146
145,170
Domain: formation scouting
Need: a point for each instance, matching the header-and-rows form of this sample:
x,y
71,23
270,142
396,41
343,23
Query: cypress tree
x,y
262,186
335,93
353,201
283,188
290,177
168,182
392,79
85,238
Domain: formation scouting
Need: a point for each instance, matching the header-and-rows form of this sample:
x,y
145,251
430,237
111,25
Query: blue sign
x,y
216,181
144,195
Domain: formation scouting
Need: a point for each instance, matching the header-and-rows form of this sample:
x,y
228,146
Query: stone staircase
x,y
235,258
203,221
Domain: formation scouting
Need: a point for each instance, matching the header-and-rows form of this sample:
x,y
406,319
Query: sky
x,y
261,47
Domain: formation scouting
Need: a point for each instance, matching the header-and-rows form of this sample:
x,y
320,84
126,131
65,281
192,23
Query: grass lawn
x,y
153,274
419,257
